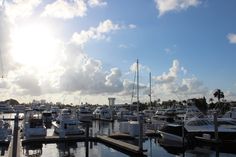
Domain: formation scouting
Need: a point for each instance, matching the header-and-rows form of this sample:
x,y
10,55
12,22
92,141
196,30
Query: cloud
x,y
29,84
66,9
132,26
232,38
171,75
94,3
97,33
165,6
133,67
21,8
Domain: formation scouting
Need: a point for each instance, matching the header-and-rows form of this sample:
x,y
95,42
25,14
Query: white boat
x,y
126,115
33,125
85,114
173,134
5,132
67,124
102,113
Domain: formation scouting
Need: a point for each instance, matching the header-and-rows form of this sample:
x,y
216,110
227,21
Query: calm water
x,y
79,149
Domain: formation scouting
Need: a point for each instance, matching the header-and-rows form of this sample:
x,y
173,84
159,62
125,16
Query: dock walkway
x,y
117,144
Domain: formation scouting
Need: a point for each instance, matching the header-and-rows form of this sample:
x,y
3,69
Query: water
x,y
79,149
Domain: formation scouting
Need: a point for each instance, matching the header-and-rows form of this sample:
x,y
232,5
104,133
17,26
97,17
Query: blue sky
x,y
85,50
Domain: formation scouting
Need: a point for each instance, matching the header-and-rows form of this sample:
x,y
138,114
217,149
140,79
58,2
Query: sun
x,y
34,45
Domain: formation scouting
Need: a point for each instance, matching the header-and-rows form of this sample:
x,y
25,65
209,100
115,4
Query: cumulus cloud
x,y
171,75
165,6
172,85
21,8
97,33
94,3
232,38
88,77
66,9
133,67
29,84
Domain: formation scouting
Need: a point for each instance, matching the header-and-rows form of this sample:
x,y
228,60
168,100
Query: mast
x,y
140,118
150,92
137,87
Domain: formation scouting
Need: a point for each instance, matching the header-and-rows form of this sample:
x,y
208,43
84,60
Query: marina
x,y
104,136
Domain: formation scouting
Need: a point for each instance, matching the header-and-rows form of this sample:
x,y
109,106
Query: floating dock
x,y
120,145
56,139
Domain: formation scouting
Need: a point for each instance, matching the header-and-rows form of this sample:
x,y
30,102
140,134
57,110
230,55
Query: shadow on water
x,y
198,150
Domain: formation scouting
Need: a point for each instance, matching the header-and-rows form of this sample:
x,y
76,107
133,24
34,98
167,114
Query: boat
x,y
102,113
5,132
126,115
175,134
33,125
67,124
85,114
47,117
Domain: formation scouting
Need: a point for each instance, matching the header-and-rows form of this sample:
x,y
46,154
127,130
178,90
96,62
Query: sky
x,y
77,51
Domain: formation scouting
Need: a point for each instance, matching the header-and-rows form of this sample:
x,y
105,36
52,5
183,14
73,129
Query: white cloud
x,y
66,9
94,3
171,75
165,6
132,26
97,33
21,8
133,67
232,38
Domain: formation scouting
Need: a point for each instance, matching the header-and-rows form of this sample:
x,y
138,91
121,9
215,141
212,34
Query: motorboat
x,y
33,125
176,134
102,113
126,115
67,124
85,114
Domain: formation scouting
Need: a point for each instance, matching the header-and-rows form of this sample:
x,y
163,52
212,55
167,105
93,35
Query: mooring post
x,y
216,127
140,132
15,136
86,141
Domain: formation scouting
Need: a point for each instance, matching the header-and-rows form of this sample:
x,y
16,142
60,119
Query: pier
x,y
120,145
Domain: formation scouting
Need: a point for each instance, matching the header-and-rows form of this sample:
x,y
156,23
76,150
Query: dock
x,y
120,145
57,139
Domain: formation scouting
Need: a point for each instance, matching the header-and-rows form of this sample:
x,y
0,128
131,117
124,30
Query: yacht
x,y
85,114
175,134
5,132
33,124
67,124
126,115
102,113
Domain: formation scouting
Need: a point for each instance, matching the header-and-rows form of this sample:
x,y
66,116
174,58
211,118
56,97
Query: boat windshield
x,y
199,122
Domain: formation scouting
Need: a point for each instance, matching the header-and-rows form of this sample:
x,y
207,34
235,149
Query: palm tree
x,y
218,94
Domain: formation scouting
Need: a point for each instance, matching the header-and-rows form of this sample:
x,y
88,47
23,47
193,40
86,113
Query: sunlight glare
x,y
34,45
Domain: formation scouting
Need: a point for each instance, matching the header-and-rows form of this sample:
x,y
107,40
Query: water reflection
x,y
34,149
67,149
3,149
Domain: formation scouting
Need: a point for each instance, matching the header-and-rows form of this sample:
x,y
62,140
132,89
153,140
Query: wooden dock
x,y
56,139
120,145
